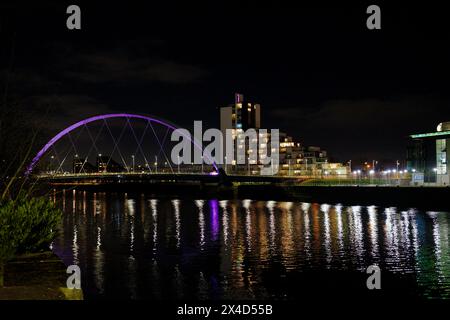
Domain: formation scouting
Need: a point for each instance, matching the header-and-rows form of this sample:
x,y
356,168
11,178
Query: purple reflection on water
x,y
214,207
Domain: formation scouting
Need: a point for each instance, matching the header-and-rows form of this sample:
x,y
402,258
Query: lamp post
x,y
156,164
132,159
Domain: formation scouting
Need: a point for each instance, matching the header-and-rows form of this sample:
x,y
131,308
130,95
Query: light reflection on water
x,y
139,247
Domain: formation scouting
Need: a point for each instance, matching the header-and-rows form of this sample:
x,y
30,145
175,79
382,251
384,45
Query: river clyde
x,y
140,246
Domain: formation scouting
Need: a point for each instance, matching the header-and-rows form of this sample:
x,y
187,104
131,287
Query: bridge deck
x,y
115,178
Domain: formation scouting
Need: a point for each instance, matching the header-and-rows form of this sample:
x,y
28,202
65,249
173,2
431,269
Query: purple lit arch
x,y
103,117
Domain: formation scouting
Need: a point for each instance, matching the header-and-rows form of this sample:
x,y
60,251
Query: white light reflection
x,y
131,206
99,238
415,232
75,247
405,231
248,224
201,221
391,235
305,206
176,208
270,206
306,220
436,236
373,229
99,262
154,207
340,231
326,222
224,205
358,233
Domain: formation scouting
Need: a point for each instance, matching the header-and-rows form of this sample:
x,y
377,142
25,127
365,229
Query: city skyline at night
x,y
222,159
319,86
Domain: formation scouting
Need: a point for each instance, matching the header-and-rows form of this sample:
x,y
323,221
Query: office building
x,y
427,155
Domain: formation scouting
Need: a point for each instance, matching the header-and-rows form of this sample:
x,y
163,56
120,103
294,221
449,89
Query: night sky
x,y
319,74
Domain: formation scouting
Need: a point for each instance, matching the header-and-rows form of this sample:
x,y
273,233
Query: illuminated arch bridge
x,y
114,143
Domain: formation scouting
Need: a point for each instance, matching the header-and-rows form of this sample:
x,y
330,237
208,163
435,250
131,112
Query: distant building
x,y
107,164
294,158
427,155
241,114
81,165
238,117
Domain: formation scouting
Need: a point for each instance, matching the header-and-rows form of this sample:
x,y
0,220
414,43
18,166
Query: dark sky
x,y
318,72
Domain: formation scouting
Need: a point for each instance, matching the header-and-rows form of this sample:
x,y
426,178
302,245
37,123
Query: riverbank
x,y
37,276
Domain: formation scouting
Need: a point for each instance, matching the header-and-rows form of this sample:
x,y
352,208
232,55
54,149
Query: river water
x,y
142,247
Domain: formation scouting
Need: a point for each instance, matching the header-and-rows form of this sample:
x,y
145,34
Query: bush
x,y
40,218
26,225
11,233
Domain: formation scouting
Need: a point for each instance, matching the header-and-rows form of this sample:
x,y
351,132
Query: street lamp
x,y
132,159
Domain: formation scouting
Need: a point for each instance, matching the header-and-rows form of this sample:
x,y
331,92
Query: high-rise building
x,y
239,117
294,158
241,114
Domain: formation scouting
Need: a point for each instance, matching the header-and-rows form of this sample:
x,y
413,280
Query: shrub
x,y
26,225
40,219
11,233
